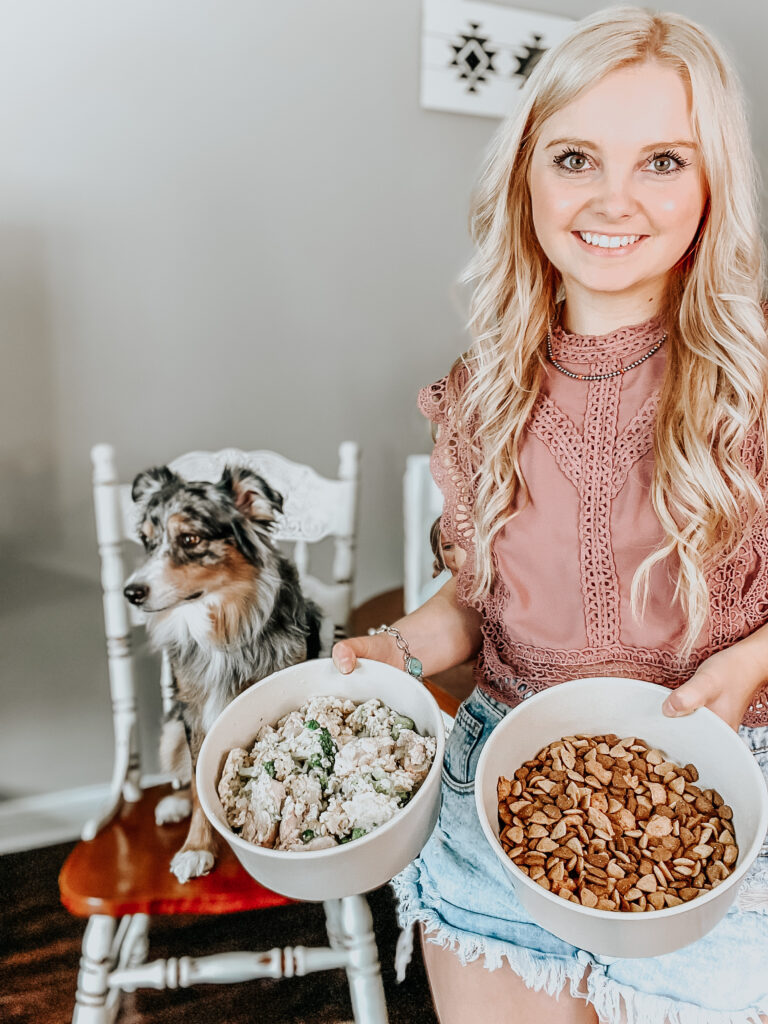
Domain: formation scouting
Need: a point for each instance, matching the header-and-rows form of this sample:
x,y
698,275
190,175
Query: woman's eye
x,y
662,164
576,162
572,161
667,163
189,540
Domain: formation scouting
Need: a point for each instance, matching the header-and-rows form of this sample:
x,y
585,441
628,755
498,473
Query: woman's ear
x,y
151,481
251,494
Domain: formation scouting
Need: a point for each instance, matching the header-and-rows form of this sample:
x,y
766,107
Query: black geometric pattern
x,y
531,57
474,53
473,57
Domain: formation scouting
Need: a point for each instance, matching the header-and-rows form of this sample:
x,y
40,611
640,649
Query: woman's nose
x,y
614,199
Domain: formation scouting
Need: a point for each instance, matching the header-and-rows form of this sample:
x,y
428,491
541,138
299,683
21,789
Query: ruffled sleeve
x,y
452,471
755,601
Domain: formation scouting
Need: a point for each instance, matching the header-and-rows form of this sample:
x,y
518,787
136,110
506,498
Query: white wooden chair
x,y
422,504
118,891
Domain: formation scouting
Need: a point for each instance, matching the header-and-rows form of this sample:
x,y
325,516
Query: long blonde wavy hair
x,y
715,388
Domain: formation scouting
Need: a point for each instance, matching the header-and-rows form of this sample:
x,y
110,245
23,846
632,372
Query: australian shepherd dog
x,y
227,607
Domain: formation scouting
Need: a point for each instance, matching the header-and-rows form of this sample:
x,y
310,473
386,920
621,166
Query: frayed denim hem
x,y
539,971
614,1002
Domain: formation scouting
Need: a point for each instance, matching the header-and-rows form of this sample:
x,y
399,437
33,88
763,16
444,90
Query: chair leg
x,y
333,923
134,947
93,1004
363,972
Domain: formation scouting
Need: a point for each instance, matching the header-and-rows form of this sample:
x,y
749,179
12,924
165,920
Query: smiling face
x,y
616,183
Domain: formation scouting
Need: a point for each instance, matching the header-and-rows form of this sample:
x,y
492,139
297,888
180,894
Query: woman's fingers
x,y
377,647
344,656
696,693
346,652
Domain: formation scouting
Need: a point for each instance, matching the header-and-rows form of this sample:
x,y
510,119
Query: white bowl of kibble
x,y
631,835
354,867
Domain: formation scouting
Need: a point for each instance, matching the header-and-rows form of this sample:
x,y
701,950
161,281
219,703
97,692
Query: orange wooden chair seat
x,y
125,870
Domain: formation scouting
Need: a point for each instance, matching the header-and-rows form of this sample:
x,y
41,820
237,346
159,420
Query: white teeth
x,y
608,241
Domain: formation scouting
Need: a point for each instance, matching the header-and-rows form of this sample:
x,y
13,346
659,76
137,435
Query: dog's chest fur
x,y
208,673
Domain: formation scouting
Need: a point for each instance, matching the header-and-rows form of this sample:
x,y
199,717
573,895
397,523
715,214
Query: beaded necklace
x,y
598,376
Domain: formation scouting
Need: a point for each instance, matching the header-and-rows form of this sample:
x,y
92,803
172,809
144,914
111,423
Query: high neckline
x,y
615,347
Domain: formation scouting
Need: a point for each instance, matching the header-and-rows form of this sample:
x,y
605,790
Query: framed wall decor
x,y
475,56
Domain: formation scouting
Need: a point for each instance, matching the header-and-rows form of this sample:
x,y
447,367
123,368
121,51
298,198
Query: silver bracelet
x,y
411,665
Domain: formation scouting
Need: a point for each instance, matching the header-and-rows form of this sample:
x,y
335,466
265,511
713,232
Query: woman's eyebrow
x,y
586,144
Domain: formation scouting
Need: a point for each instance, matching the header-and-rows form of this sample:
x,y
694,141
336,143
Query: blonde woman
x,y
601,448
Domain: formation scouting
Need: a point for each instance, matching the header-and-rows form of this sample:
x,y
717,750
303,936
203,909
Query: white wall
x,y
239,227
220,223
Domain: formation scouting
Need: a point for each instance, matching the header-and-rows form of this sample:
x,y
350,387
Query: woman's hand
x,y
725,683
378,647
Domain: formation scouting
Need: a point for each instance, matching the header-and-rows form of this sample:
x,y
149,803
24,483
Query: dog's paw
x,y
174,807
191,864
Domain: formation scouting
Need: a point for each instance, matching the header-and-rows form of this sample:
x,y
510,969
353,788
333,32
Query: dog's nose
x,y
137,593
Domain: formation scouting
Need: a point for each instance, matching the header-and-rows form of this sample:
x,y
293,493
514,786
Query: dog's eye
x,y
189,540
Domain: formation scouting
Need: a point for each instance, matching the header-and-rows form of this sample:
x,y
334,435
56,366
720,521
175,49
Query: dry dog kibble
x,y
610,823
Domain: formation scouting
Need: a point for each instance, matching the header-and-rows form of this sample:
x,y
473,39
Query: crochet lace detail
x,y
453,473
614,348
635,441
597,462
559,433
539,668
599,580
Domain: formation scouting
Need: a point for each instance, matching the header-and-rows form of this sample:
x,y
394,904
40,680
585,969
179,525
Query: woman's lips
x,y
613,253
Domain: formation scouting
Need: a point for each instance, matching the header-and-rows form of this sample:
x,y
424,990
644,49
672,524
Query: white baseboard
x,y
29,822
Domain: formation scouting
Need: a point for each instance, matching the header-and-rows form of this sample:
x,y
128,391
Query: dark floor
x,y
40,949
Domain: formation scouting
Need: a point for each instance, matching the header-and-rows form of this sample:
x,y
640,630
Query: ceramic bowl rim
x,y
380,830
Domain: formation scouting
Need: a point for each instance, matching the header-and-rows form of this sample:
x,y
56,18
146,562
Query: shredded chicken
x,y
324,775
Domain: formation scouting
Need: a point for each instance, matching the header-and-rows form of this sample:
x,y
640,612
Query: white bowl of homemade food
x,y
325,785
624,832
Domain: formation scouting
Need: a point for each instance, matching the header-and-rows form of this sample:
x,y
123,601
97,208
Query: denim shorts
x,y
459,891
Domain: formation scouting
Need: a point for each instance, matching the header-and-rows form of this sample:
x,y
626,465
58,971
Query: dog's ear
x,y
251,494
151,481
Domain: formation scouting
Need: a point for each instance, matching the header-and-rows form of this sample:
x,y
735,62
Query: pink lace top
x,y
560,605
